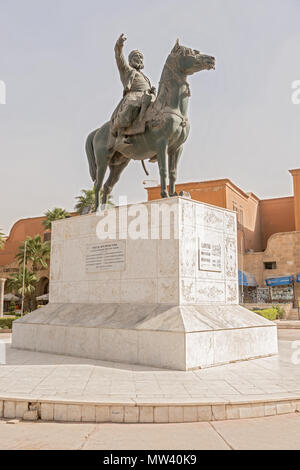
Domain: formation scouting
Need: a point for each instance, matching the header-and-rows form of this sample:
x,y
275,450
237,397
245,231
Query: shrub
x,y
6,323
268,313
18,313
280,311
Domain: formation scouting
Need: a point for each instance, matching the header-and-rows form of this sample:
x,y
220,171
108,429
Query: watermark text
x,y
2,92
296,93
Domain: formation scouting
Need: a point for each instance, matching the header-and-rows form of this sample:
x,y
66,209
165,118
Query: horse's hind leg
x,y
114,176
101,170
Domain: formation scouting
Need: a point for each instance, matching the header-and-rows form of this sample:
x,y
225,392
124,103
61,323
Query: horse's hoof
x,y
164,194
174,194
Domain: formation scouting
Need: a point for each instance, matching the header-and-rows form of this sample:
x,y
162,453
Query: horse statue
x,y
165,131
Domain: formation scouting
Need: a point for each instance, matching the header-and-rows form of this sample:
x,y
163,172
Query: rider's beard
x,y
137,65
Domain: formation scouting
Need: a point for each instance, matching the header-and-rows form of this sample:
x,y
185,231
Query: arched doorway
x,y
42,291
42,286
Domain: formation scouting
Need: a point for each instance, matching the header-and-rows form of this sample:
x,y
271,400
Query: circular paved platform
x,y
65,388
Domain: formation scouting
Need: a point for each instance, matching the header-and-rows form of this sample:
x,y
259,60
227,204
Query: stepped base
x,y
163,336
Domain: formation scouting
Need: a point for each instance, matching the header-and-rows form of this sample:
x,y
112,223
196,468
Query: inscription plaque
x,y
210,255
105,256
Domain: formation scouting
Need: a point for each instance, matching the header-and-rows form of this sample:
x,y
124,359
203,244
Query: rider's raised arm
x,y
122,64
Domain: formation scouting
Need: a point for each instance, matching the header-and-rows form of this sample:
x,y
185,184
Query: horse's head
x,y
189,61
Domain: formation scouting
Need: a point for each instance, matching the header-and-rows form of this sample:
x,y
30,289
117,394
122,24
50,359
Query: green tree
x,y
2,240
37,252
56,214
86,200
15,285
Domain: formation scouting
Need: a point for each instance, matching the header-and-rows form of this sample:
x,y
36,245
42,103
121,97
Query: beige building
x,y
277,268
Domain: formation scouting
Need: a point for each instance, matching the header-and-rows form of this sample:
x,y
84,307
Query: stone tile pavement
x,y
102,391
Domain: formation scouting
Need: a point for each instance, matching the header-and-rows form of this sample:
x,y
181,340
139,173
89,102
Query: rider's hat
x,y
132,53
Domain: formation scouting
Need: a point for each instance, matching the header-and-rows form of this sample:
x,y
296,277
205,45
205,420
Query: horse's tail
x,y
89,148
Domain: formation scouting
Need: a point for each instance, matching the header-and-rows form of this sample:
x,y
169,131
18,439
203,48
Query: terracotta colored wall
x,y
210,192
261,218
249,226
223,193
296,185
277,215
21,229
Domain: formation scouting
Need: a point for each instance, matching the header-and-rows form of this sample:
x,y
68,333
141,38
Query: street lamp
x,y
2,283
23,282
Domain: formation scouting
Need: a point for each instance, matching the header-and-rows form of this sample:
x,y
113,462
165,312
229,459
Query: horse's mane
x,y
177,50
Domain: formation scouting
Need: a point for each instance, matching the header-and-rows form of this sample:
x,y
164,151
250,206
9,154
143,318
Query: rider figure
x,y
137,94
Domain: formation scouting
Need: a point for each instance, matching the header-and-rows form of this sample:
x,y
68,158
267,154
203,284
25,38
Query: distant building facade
x,y
268,237
8,264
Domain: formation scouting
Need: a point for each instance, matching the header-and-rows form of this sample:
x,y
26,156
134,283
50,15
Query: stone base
x,y
163,336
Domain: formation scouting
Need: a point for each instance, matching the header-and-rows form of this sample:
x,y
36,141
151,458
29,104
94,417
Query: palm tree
x,y
37,252
15,285
86,200
2,240
56,214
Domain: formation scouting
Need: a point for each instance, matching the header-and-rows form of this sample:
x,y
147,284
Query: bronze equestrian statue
x,y
144,126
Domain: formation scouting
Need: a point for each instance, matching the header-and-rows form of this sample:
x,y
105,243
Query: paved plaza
x,y
46,376
275,432
172,396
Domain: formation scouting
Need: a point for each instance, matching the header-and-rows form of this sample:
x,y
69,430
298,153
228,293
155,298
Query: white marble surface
x,y
35,375
160,309
157,270
173,337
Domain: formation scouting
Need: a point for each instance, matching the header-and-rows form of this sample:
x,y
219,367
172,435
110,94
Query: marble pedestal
x,y
161,290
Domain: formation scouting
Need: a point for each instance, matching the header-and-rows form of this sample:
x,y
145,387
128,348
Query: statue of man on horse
x,y
144,126
137,95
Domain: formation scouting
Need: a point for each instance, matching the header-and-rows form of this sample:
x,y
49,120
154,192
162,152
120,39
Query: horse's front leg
x,y
114,176
162,164
174,157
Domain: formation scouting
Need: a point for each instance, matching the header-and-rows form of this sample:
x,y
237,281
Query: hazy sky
x,y
57,60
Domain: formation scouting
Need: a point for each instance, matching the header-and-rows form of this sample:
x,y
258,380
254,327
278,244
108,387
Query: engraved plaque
x,y
105,256
210,255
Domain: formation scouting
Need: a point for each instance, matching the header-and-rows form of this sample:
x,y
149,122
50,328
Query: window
x,y
270,265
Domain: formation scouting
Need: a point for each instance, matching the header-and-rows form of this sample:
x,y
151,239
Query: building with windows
x,y
268,237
